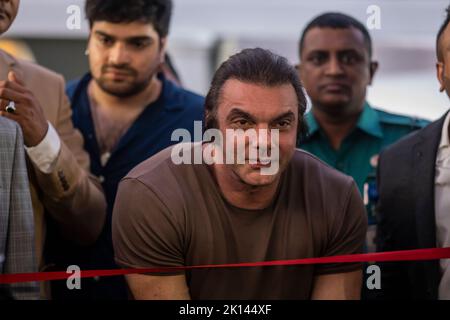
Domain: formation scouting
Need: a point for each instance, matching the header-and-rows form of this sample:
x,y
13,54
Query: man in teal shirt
x,y
344,130
358,152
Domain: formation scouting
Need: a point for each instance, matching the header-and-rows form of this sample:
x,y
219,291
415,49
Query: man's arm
x,y
145,287
20,252
394,275
339,286
348,228
147,234
70,194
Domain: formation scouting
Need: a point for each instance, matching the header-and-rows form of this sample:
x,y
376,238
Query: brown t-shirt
x,y
175,215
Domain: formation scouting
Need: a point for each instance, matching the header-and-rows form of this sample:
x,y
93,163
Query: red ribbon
x,y
405,255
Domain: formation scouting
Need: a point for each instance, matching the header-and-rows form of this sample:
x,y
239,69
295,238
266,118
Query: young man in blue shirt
x,y
126,110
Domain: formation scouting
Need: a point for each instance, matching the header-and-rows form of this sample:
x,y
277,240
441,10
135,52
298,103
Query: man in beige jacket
x,y
58,167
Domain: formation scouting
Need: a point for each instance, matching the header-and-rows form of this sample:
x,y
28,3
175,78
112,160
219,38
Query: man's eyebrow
x,y
134,38
104,34
236,112
287,115
139,38
325,51
316,51
350,50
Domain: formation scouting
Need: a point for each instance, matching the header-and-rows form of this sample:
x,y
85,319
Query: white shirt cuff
x,y
44,155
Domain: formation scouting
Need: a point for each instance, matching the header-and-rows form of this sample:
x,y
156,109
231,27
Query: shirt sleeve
x,y
348,233
146,234
44,155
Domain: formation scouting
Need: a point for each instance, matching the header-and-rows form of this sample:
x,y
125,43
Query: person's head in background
x,y
443,54
336,64
8,12
127,43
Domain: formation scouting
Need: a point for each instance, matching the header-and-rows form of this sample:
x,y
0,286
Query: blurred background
x,y
205,32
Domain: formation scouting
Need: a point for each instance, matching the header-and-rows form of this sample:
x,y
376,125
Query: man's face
x,y
251,106
8,12
124,57
335,69
443,67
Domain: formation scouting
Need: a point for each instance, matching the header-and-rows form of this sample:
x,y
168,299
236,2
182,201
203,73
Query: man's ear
x,y
373,67
440,75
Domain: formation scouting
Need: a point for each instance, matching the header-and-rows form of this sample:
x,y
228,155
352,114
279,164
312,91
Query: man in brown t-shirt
x,y
169,214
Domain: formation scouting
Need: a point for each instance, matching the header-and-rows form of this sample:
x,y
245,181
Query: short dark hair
x,y
256,66
439,35
156,12
336,20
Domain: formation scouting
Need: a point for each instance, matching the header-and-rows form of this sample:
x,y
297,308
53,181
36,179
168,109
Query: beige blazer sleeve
x,y
70,193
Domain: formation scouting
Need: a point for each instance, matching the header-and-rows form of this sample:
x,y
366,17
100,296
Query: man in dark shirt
x,y
169,214
126,112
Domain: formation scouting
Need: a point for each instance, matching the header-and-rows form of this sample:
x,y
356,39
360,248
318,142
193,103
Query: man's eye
x,y
349,59
283,124
138,44
242,122
317,59
106,40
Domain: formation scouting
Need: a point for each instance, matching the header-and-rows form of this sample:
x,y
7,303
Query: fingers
x,y
10,94
3,104
12,76
11,90
11,116
13,83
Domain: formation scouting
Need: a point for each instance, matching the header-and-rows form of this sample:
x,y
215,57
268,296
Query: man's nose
x,y
263,134
334,67
118,55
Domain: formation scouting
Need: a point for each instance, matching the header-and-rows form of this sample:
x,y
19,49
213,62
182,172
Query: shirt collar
x,y
368,122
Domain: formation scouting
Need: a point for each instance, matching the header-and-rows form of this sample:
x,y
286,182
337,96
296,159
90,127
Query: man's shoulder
x,y
33,72
401,149
399,120
179,97
407,142
158,167
71,86
151,165
163,176
310,166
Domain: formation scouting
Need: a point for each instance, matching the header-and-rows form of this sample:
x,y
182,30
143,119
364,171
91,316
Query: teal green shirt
x,y
375,130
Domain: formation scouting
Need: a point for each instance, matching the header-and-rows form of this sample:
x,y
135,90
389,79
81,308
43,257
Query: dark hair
x,y
256,66
336,20
439,35
156,12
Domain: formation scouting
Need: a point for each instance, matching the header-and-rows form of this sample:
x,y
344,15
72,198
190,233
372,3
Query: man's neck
x,y
336,127
137,101
240,194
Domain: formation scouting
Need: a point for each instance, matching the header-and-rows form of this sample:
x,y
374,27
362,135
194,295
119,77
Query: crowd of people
x,y
87,175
